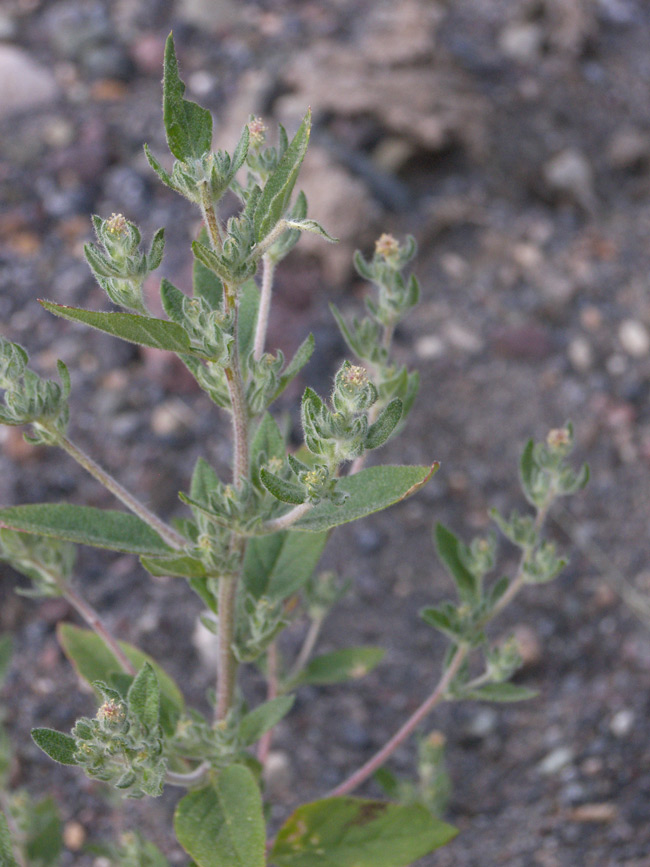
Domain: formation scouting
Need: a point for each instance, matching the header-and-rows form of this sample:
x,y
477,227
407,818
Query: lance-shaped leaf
x,y
143,697
501,692
183,566
277,191
268,443
249,303
299,360
94,661
211,261
354,832
527,471
86,525
286,492
58,746
311,226
368,491
278,565
172,301
265,717
143,330
205,283
382,428
350,663
222,825
448,547
187,125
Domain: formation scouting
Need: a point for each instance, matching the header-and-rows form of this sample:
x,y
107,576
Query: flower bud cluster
x,y
118,747
118,264
263,621
29,398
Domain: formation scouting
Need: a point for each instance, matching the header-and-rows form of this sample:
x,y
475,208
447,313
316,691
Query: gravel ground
x,y
513,140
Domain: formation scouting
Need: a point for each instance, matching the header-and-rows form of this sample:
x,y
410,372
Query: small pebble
x,y
528,645
460,337
74,835
557,759
580,354
482,723
429,347
622,722
569,174
605,812
277,771
634,338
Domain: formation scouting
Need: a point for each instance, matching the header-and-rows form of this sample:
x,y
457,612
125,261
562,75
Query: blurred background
x,y
512,138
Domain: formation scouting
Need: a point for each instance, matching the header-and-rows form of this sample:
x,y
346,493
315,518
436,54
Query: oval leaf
x,y
263,718
354,832
86,525
368,491
57,745
223,825
278,565
351,663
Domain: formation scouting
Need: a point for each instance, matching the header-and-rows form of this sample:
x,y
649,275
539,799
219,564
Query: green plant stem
x,y
306,650
264,745
285,521
192,779
210,218
226,659
167,533
380,757
268,269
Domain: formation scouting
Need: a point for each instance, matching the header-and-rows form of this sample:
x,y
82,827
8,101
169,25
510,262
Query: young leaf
x,y
143,330
368,491
7,857
286,492
222,825
249,302
267,441
527,471
277,191
204,481
265,717
57,745
183,566
382,428
188,126
351,663
205,283
86,525
354,832
311,226
447,546
144,697
278,565
172,300
94,661
501,692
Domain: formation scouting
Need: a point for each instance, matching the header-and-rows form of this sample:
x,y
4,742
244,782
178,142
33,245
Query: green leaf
x,y
44,838
351,663
5,656
188,126
382,428
144,697
204,481
368,491
448,546
501,692
94,661
182,566
143,330
527,471
265,717
278,565
277,190
223,825
172,300
299,360
249,303
354,832
155,254
205,283
311,226
57,745
86,525
286,492
268,443
7,857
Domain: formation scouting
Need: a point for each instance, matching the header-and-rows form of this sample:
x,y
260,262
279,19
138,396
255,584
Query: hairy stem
x,y
167,533
306,650
438,695
264,745
191,779
285,521
210,219
268,268
95,622
226,660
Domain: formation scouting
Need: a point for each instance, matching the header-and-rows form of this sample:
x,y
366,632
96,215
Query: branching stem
x,y
285,521
268,269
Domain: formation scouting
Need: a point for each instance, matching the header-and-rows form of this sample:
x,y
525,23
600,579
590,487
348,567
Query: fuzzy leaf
x,y
205,283
278,565
86,525
143,330
299,360
286,492
311,226
57,745
527,471
172,300
368,491
448,545
382,428
144,697
268,440
187,125
265,717
183,566
249,302
94,661
277,190
350,663
354,832
222,825
501,692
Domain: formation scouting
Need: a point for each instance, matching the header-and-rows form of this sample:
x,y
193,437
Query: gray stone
x,y
25,84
